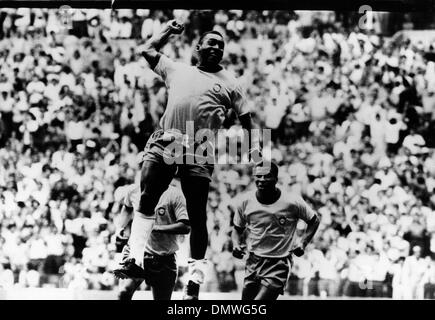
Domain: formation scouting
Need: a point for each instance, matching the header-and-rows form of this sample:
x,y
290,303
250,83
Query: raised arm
x,y
254,148
150,50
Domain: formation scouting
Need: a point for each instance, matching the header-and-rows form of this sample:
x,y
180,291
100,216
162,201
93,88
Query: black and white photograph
x,y
226,154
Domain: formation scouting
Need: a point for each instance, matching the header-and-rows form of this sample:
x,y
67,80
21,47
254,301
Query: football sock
x,y
140,232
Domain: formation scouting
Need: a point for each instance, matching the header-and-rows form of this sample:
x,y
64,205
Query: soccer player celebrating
x,y
160,267
270,218
201,95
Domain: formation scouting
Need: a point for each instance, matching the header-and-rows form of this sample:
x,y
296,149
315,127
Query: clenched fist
x,y
175,27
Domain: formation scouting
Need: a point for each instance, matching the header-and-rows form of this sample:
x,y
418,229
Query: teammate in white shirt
x,y
270,218
160,267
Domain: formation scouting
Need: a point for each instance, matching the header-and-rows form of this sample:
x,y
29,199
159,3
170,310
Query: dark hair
x,y
209,32
273,168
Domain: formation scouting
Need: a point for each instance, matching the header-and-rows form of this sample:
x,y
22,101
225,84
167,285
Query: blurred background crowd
x,y
352,114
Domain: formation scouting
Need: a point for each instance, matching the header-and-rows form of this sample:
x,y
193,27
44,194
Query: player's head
x,y
210,48
266,176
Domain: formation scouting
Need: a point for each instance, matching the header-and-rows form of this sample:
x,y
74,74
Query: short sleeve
x,y
166,67
239,101
179,204
304,210
239,219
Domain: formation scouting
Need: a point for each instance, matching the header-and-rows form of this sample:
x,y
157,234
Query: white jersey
x,y
198,96
271,227
170,209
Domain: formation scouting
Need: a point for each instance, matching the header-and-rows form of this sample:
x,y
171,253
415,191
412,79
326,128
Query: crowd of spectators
x,y
352,116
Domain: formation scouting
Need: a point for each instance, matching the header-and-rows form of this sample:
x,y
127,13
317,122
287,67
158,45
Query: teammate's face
x,y
211,49
265,182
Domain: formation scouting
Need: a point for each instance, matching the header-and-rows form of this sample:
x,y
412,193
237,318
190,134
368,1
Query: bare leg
x,y
267,293
250,290
128,288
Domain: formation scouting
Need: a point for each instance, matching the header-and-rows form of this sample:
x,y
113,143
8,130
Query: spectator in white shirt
x,y
378,275
304,272
75,130
414,142
329,275
35,86
377,134
414,269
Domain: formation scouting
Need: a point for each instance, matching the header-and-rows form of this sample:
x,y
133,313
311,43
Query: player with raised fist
x,y
199,95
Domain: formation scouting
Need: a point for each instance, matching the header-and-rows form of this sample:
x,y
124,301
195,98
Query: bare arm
x,y
312,219
150,50
237,236
180,227
312,226
238,242
254,149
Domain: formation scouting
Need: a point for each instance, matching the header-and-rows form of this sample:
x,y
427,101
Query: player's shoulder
x,y
230,78
292,198
228,74
165,61
245,197
174,192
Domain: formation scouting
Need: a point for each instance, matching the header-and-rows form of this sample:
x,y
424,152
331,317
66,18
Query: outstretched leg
x,y
155,178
